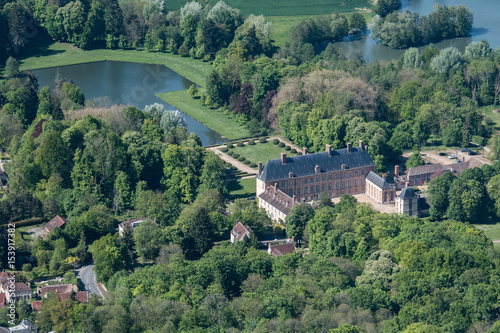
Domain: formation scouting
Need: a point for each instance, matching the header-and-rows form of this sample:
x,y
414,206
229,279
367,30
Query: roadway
x,y
87,276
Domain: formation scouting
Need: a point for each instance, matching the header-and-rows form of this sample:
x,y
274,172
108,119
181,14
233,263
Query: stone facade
x,y
407,202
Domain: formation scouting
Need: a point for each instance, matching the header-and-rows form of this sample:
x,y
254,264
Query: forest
x,y
356,270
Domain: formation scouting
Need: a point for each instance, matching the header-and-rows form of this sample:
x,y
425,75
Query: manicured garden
x,y
241,188
255,151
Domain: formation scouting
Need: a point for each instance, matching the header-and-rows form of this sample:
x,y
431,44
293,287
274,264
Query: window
x,y
337,186
330,177
311,189
330,186
349,191
356,190
362,171
283,184
306,190
323,178
355,183
317,188
337,175
290,192
362,181
305,181
343,184
311,180
343,174
298,191
355,172
317,179
348,173
323,187
349,183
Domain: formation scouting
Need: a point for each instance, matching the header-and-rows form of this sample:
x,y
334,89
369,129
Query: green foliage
x,y
281,144
415,159
276,141
108,257
11,68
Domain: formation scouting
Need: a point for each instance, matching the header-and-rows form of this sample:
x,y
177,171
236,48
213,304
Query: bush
x,y
230,153
288,148
299,153
276,141
233,168
251,143
223,149
281,145
240,144
478,139
236,155
262,140
241,158
278,228
294,151
252,165
247,162
229,145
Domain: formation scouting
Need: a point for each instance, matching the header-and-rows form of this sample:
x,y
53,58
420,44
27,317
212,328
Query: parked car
x,y
465,150
442,154
472,152
452,156
458,161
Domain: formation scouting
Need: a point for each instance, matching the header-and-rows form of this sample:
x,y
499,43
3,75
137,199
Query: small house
x,y
239,232
56,222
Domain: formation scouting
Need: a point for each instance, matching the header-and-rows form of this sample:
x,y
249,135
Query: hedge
x,y
251,143
240,144
231,153
252,165
262,140
224,149
299,153
241,158
276,141
230,145
287,148
281,145
247,162
294,150
236,155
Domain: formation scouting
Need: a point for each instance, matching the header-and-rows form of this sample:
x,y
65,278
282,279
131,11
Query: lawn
x,y
61,54
282,25
287,7
219,122
261,152
492,231
241,188
488,112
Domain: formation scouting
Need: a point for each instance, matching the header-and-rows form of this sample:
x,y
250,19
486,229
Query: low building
x,y
25,326
379,189
281,249
14,290
56,222
62,291
131,224
276,203
239,232
407,202
458,168
422,174
58,289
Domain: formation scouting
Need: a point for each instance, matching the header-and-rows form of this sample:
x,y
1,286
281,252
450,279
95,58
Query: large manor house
x,y
286,181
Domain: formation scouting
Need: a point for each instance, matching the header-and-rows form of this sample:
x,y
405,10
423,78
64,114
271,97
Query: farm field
x,y
287,7
261,152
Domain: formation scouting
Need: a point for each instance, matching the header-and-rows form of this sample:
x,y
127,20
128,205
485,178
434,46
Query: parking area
x,y
37,232
432,156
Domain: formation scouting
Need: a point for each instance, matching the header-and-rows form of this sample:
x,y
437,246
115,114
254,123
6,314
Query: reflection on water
x,y
485,28
127,83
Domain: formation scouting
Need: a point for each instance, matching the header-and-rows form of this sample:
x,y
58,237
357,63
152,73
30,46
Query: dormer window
x,y
317,169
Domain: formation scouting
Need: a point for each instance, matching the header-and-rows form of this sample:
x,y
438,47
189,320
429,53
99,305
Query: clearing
x,y
241,188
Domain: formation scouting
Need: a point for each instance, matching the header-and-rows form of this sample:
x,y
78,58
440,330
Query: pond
x,y
127,83
485,27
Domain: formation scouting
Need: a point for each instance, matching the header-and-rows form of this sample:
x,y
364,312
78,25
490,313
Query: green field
x,y
261,152
61,54
219,122
286,7
241,188
488,112
492,231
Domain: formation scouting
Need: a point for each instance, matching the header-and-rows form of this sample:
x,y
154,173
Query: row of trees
x,y
403,30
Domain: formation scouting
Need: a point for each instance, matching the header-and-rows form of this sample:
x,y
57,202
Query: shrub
x,y
262,140
251,143
276,141
236,155
223,149
241,158
287,148
478,139
229,145
299,153
230,153
281,145
240,144
294,151
252,165
233,168
247,162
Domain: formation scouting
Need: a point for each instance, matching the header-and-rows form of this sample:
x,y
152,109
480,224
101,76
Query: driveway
x,y
87,276
37,232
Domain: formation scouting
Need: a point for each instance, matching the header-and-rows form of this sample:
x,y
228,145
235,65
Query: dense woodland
x,y
356,270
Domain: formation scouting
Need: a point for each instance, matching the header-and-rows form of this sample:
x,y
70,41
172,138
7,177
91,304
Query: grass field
x,y
282,25
492,231
213,119
488,112
241,188
61,54
261,152
286,7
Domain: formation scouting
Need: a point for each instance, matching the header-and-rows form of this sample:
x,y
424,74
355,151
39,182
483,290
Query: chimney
x,y
283,158
361,145
349,148
329,150
463,158
396,170
260,169
383,176
304,151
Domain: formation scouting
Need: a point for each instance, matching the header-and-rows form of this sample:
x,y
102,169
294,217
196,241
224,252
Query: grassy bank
x,y
241,188
213,119
61,54
261,152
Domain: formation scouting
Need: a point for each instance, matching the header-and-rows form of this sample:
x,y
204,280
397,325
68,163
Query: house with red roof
x,y
281,249
239,232
56,222
62,291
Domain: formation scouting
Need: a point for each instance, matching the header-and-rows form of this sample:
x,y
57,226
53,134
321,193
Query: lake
x,y
485,27
125,83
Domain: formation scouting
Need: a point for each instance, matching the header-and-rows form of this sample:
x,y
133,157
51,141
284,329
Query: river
x,y
486,27
127,83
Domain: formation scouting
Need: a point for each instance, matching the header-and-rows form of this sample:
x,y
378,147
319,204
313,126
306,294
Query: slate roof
x,y
239,230
279,205
407,193
304,165
281,249
460,167
378,181
21,287
56,222
424,169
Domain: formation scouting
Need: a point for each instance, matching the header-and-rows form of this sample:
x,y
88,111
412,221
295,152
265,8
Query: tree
x,y
357,23
12,68
147,240
296,220
415,159
53,157
438,195
108,257
170,120
494,192
123,192
193,91
212,176
412,59
448,59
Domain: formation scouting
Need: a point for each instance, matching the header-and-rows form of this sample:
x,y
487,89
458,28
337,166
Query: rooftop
x,y
304,165
56,222
239,231
281,249
277,199
378,181
58,289
407,193
424,169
